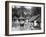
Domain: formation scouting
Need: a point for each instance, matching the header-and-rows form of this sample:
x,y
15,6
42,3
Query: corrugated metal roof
x,y
33,18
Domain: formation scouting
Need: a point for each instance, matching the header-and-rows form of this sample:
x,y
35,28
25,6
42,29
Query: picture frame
x,y
24,18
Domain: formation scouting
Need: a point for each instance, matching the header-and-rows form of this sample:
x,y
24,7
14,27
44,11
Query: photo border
x,y
7,17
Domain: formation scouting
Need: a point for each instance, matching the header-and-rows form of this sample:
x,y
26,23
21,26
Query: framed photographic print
x,y
24,18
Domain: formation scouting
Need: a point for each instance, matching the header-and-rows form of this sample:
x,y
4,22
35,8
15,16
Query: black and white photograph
x,y
26,18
